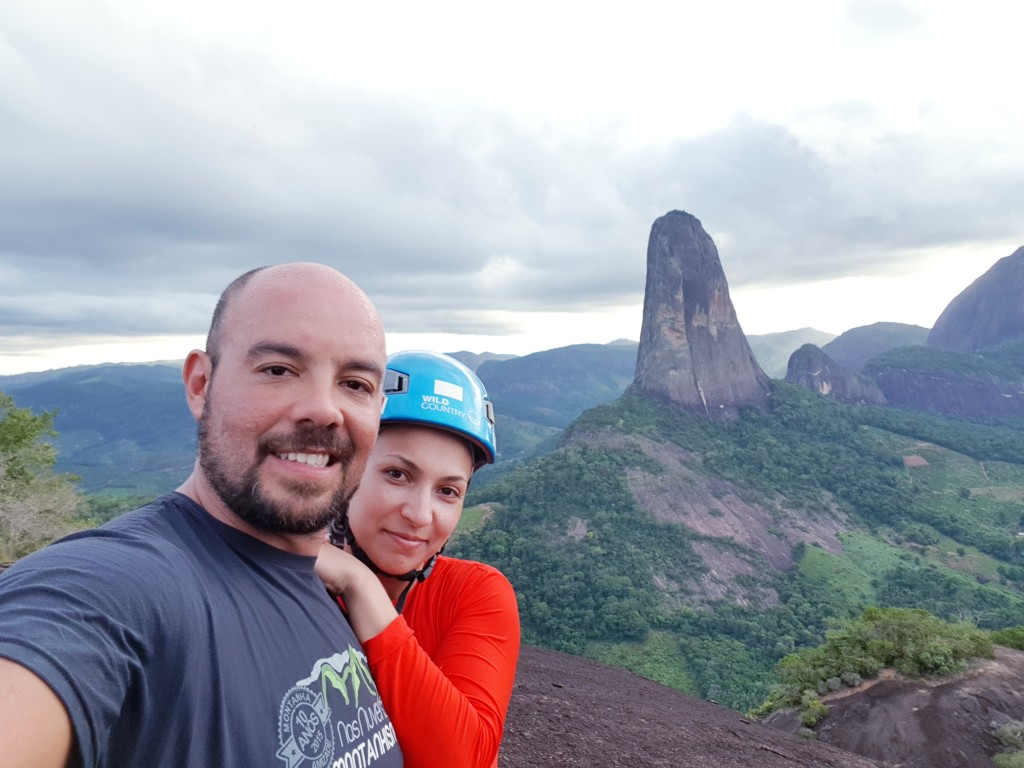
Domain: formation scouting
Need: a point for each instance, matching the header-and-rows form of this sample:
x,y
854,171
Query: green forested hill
x,y
700,553
122,429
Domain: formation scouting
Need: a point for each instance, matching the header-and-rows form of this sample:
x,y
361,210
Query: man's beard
x,y
243,496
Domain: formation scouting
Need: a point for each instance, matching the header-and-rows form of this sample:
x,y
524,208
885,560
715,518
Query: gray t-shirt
x,y
176,640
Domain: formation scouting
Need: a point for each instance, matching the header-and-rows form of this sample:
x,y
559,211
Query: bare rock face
x,y
987,312
948,722
692,350
971,394
569,711
811,368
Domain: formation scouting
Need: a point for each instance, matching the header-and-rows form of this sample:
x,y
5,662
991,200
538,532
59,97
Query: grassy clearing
x,y
473,517
841,573
864,558
871,555
658,658
971,562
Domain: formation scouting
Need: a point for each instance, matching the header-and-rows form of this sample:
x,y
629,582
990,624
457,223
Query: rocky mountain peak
x,y
811,368
987,312
692,350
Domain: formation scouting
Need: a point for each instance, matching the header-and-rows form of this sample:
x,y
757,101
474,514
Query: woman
x,y
442,649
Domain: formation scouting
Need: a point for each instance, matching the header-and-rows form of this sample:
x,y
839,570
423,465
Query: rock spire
x,y
692,350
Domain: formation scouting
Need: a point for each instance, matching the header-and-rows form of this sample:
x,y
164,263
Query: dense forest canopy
x,y
590,565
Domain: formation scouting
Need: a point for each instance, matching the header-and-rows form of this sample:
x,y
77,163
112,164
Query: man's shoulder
x,y
139,545
155,515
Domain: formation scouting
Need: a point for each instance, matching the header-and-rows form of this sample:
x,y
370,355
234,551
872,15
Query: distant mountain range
x,y
854,348
125,428
970,365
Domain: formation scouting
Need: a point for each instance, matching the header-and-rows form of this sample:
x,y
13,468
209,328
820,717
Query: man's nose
x,y
319,401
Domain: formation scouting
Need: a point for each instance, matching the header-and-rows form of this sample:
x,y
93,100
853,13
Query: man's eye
x,y
277,370
359,386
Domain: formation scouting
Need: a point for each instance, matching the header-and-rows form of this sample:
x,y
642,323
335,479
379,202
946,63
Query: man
x,y
194,631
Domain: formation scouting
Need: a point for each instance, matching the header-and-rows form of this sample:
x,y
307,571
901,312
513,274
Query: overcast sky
x,y
489,173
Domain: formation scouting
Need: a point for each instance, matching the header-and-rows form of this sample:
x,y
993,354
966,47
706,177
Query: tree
x,y
37,505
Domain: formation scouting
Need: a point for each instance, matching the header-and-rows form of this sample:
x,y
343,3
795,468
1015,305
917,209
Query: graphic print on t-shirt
x,y
335,712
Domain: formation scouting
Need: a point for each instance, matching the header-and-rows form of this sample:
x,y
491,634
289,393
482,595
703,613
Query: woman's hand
x,y
369,608
339,570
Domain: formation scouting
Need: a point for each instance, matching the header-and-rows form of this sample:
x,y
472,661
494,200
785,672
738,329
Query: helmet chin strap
x,y
341,536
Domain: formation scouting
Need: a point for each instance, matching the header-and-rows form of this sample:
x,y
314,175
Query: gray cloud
x,y
138,182
789,214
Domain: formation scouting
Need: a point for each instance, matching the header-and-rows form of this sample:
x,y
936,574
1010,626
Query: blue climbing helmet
x,y
438,391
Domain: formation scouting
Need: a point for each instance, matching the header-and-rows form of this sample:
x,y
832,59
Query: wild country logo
x,y
309,732
444,405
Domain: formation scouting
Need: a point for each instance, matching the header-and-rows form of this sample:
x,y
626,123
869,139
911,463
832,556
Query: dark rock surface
x,y
988,312
812,369
945,723
568,711
692,350
951,392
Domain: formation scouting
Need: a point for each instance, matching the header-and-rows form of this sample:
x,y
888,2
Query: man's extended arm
x,y
35,730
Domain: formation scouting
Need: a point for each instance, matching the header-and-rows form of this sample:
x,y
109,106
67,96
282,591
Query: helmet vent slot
x,y
395,383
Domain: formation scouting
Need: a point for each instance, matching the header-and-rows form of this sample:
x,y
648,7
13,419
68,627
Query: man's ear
x,y
196,373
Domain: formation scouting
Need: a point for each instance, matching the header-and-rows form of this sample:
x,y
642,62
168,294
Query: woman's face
x,y
411,495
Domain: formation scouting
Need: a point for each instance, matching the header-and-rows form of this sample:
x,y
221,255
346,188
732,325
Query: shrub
x,y
1009,760
911,641
852,679
1010,733
812,709
1011,637
37,505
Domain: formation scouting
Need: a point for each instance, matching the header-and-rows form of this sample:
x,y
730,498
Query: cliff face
x,y
951,392
923,378
812,369
692,350
988,312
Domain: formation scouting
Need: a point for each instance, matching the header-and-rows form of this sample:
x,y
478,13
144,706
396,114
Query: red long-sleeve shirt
x,y
445,667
